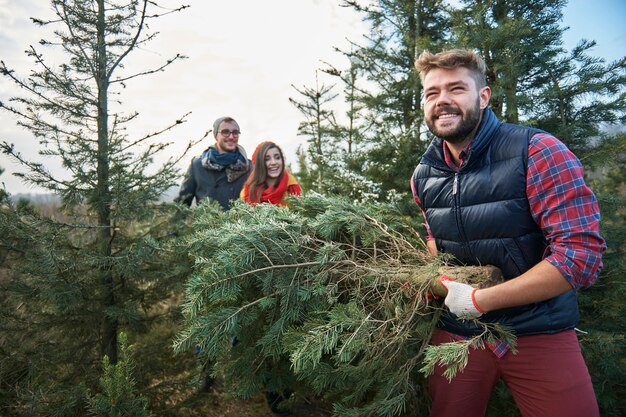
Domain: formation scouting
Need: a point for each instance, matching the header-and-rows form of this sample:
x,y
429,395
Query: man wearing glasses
x,y
220,172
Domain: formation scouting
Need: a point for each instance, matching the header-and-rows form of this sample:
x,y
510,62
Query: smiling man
x,y
514,197
220,172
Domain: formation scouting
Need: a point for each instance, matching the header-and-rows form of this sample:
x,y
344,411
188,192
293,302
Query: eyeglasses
x,y
226,133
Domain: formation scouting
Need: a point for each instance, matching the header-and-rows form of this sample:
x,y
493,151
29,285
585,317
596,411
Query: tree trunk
x,y
477,276
102,199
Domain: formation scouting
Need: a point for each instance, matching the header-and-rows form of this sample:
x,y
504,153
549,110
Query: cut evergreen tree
x,y
326,296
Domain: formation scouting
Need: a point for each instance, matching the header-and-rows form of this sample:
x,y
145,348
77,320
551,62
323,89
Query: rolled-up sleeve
x,y
565,209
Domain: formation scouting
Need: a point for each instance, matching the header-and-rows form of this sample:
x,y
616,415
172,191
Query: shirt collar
x,y
448,156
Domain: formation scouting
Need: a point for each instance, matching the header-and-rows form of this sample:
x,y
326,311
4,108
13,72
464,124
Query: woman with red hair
x,y
269,181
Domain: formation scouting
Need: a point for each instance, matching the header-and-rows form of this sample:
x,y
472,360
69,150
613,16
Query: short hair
x,y
452,59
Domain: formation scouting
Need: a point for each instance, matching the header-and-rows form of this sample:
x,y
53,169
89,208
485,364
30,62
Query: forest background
x,y
108,266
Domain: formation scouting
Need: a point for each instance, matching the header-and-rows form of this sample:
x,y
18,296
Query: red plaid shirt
x,y
562,205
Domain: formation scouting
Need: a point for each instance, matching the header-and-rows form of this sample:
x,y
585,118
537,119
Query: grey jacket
x,y
201,183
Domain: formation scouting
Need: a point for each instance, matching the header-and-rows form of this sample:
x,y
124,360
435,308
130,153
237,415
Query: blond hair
x,y
452,59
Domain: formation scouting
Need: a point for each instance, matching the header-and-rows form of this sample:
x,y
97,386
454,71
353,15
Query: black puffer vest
x,y
481,216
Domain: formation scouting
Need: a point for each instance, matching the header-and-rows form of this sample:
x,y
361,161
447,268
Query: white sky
x,y
244,55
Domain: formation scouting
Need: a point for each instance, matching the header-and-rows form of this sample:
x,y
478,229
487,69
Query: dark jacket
x,y
487,221
201,183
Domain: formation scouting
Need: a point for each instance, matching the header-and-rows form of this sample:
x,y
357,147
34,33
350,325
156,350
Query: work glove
x,y
460,299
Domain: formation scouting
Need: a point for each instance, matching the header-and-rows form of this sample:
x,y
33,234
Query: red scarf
x,y
273,194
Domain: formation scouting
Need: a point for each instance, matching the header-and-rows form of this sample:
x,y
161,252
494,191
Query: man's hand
x,y
460,299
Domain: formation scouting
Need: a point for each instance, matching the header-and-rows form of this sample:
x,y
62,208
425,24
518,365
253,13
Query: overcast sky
x,y
244,55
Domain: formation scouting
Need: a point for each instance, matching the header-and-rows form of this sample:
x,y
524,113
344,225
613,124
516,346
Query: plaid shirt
x,y
562,205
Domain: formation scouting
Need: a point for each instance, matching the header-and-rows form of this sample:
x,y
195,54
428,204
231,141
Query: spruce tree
x,y
383,125
603,312
345,155
79,277
578,98
326,297
118,397
389,92
534,81
317,126
332,162
518,39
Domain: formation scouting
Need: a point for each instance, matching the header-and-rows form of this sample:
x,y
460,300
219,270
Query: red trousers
x,y
547,378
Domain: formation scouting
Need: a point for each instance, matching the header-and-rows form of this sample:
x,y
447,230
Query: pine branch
x,y
338,292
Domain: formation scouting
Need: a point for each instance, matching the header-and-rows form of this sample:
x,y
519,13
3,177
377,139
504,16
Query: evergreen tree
x,y
578,97
332,163
518,40
603,312
304,172
381,142
389,92
326,297
118,397
533,79
77,279
317,126
352,133
348,144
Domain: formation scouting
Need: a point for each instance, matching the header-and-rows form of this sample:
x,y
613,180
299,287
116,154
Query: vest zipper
x,y
457,209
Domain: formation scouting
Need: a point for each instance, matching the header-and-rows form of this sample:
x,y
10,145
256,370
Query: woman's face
x,y
273,163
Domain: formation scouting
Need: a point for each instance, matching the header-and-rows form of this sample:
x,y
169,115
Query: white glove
x,y
460,299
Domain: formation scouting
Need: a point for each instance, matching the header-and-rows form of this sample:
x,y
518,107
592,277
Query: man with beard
x,y
220,172
514,197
